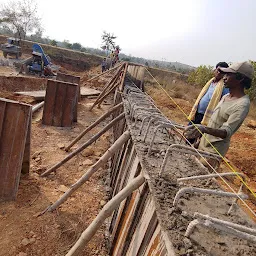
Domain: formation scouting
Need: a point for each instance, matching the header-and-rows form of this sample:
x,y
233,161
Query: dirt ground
x,y
23,232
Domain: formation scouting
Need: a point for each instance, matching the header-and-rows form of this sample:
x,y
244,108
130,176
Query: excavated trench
x,y
163,187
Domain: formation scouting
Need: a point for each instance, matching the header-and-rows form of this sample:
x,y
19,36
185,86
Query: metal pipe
x,y
37,106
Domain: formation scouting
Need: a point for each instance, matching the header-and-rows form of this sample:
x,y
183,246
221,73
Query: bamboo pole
x,y
85,145
108,113
122,82
104,73
105,213
109,84
108,154
107,93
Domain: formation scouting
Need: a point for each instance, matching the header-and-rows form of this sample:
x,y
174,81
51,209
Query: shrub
x,y
201,75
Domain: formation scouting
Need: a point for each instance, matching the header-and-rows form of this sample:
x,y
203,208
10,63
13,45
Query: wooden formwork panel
x,y
134,228
60,101
137,73
74,80
15,125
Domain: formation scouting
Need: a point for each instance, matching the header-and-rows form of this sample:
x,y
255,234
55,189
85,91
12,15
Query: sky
x,y
194,32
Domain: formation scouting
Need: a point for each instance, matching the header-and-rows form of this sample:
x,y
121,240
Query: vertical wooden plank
x,y
2,114
26,157
61,93
154,242
129,176
49,103
69,106
142,227
131,213
12,145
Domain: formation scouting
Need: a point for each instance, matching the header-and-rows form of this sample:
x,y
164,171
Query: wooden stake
x,y
104,73
107,93
105,213
110,111
108,85
85,145
122,82
108,154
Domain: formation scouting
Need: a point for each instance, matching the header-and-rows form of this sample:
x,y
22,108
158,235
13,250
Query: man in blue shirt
x,y
209,97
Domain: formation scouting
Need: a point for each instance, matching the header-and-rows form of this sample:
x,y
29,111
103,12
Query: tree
x,y
21,17
252,91
108,42
201,75
53,42
67,44
77,46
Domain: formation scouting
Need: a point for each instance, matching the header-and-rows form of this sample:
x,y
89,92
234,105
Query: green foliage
x,y
252,91
77,46
108,41
201,75
53,42
126,59
67,44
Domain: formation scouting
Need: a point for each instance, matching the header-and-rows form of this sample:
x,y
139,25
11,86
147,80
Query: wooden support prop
x,y
110,111
85,145
124,74
113,87
15,130
105,213
108,85
106,88
104,73
103,160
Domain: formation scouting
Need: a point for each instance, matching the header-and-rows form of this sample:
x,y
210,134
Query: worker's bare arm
x,y
195,131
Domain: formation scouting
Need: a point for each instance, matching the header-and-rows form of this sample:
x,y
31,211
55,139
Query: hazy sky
x,y
189,31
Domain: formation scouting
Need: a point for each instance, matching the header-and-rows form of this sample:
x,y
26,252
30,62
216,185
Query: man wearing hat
x,y
230,112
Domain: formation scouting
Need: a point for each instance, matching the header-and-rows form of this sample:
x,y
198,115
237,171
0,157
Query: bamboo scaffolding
x,y
105,213
104,116
103,160
85,145
104,73
108,85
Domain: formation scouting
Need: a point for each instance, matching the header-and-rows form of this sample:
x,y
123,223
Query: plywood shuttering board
x,y
60,101
144,230
74,80
15,119
156,246
125,176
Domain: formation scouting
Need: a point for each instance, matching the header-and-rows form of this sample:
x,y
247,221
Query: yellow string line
x,y
203,157
203,135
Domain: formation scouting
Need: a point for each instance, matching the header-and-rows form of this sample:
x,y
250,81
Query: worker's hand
x,y
193,131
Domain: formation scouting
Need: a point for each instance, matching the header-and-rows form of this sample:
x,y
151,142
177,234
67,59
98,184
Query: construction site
x,y
96,163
